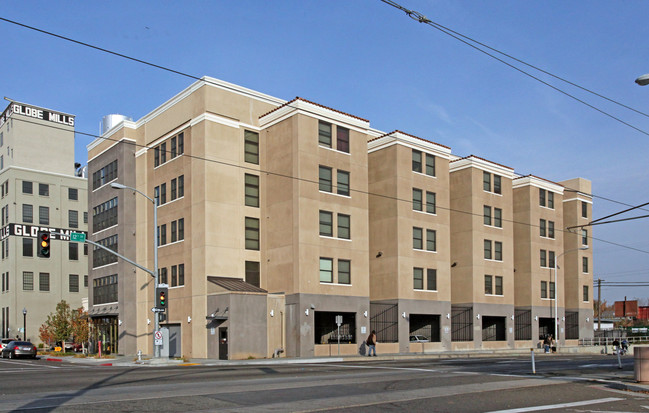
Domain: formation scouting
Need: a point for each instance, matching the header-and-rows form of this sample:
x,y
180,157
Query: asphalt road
x,y
561,383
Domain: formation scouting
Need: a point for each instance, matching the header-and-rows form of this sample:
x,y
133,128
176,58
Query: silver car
x,y
418,339
19,349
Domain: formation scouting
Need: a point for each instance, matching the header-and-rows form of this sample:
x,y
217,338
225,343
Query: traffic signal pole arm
x,y
150,272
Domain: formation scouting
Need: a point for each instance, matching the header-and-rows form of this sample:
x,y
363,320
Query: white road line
x,y
559,406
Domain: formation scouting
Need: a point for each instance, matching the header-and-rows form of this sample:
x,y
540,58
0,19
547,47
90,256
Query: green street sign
x,y
77,237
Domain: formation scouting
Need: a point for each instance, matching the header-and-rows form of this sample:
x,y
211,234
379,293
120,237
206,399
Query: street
x,y
561,383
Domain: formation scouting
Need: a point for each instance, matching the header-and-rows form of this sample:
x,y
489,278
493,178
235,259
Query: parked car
x,y
19,349
418,339
4,342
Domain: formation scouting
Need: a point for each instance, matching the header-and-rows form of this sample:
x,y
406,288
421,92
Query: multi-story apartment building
x,y
294,229
40,191
482,254
410,248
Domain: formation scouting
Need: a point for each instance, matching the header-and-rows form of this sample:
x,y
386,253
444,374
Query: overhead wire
x,y
423,19
412,14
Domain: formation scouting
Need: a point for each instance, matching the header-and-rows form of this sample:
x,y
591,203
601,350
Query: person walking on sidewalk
x,y
371,343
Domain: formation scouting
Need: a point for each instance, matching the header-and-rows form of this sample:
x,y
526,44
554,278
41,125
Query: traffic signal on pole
x,y
161,297
44,240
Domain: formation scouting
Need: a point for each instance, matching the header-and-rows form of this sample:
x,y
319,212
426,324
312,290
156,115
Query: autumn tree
x,y
59,323
45,334
80,328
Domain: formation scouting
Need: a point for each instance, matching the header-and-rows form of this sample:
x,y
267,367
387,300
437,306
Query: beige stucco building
x,y
41,190
294,229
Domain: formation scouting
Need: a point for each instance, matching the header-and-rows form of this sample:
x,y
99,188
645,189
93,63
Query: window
x,y
85,217
551,229
486,181
28,247
73,251
174,147
344,272
431,279
181,229
73,194
431,240
104,175
163,193
73,219
173,188
551,200
430,165
498,287
28,213
418,278
552,294
325,179
102,257
542,197
85,281
251,147
43,281
324,134
326,270
544,258
551,258
546,198
156,195
544,289
498,217
174,231
487,249
498,250
584,264
28,281
417,238
584,237
43,215
543,228
162,275
585,293
326,224
487,215
343,183
181,274
488,286
344,226
163,152
431,202
497,184
156,156
174,275
252,273
163,235
342,139
104,215
73,283
417,199
104,289
252,234
181,143
416,161
252,190
27,187
584,209
43,190
181,186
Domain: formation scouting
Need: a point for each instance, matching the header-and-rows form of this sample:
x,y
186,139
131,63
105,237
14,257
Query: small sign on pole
x,y
158,338
77,237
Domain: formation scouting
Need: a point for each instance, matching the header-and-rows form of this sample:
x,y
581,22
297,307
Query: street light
x,y
24,324
156,320
643,80
556,291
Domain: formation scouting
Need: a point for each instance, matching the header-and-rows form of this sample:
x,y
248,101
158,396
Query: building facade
x,y
40,191
293,229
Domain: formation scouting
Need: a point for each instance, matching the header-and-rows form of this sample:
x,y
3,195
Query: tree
x,y
45,334
59,323
608,310
80,329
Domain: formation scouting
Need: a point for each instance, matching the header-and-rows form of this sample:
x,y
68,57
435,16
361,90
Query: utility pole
x,y
599,304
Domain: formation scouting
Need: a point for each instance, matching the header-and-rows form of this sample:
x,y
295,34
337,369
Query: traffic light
x,y
161,297
44,240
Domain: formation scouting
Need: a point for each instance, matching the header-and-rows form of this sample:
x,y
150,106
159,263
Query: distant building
x,y
40,190
294,226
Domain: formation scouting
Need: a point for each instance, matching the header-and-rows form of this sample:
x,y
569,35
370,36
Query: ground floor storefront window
x,y
104,333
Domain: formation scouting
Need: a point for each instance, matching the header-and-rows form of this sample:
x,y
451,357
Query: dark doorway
x,y
493,328
427,325
326,328
223,343
546,326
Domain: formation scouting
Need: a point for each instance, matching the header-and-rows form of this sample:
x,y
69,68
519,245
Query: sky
x,y
369,59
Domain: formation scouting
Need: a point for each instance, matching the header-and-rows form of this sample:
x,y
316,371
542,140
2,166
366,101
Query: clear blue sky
x,y
369,59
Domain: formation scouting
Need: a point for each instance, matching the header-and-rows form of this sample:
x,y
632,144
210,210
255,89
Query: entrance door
x,y
175,349
223,343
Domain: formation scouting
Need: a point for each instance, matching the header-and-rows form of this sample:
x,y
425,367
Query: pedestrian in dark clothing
x,y
371,343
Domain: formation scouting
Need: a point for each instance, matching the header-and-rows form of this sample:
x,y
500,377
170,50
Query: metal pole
x,y
556,303
533,362
156,319
24,324
599,305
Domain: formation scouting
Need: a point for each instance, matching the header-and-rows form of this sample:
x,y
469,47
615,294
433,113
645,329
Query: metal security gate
x,y
384,319
572,325
461,323
523,324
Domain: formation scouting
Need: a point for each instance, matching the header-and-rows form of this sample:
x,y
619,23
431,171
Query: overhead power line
x,y
423,19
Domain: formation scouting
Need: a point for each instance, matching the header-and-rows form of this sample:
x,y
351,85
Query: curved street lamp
x,y
643,80
156,324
